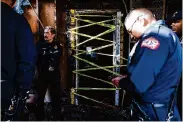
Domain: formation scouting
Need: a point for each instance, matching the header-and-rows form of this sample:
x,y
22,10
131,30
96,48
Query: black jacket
x,y
48,58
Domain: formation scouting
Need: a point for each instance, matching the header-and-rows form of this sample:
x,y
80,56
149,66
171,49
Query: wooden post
x,y
47,13
61,28
32,18
164,10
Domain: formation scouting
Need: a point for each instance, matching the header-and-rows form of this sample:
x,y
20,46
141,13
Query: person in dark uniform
x,y
18,54
176,23
176,26
155,67
48,68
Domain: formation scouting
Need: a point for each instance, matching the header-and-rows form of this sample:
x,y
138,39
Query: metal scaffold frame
x,y
72,31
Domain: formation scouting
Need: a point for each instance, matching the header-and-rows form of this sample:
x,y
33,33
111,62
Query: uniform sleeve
x,y
153,56
25,54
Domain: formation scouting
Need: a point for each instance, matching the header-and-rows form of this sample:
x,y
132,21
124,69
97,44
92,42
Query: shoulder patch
x,y
150,43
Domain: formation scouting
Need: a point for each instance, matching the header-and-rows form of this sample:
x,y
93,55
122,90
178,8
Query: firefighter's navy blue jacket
x,y
155,68
18,52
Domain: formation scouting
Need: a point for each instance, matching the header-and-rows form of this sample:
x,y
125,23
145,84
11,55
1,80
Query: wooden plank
x,y
96,11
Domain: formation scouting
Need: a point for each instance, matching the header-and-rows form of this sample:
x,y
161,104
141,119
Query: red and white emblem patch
x,y
151,43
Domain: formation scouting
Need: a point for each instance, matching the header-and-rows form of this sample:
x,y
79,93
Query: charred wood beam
x,y
61,27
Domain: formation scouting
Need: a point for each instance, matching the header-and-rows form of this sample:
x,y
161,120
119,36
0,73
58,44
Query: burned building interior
x,y
95,48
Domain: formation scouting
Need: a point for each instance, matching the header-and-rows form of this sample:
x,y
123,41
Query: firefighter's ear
x,y
143,21
53,35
